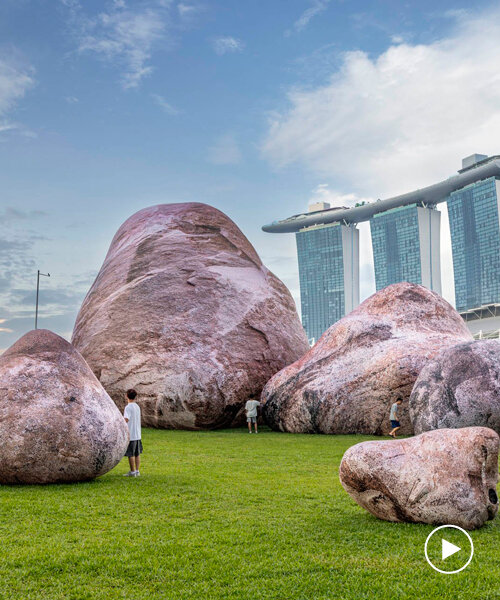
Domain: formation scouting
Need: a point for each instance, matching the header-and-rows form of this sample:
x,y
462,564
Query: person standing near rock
x,y
132,415
251,410
394,417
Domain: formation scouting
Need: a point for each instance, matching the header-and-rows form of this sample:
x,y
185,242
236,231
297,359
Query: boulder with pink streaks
x,y
347,382
57,423
460,387
446,476
184,311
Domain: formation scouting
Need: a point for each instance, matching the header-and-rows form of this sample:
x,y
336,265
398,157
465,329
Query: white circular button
x,y
448,548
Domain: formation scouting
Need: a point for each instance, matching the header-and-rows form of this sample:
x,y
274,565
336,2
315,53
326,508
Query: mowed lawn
x,y
223,515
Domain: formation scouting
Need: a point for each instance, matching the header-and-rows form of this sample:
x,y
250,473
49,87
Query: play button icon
x,y
450,554
448,549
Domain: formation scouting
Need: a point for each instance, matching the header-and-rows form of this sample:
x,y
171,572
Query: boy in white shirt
x,y
132,415
251,410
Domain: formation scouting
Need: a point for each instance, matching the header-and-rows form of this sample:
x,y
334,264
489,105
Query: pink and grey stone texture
x,y
446,476
347,382
57,423
460,387
184,311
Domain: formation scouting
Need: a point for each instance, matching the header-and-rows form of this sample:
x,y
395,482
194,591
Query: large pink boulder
x,y
57,423
184,311
347,382
447,476
460,387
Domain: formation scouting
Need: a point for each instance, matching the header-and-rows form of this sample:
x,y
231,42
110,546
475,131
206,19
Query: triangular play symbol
x,y
448,549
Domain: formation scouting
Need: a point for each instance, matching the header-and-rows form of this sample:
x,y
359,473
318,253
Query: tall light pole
x,y
37,291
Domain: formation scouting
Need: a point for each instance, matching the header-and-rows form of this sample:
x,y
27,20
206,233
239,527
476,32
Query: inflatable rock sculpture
x,y
184,311
57,423
460,387
347,382
447,476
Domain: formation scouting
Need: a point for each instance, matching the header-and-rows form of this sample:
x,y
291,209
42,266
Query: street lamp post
x,y
37,291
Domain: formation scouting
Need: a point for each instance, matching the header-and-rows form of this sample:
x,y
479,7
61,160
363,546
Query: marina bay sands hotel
x,y
405,233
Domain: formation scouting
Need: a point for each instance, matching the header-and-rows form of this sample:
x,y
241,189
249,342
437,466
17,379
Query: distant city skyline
x,y
110,106
406,246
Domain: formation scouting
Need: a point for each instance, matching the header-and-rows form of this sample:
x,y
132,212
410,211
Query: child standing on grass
x,y
251,410
132,415
394,417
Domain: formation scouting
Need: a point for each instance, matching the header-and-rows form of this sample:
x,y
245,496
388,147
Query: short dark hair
x,y
399,399
131,394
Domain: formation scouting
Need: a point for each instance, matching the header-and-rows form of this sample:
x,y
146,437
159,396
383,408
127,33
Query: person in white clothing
x,y
251,410
132,415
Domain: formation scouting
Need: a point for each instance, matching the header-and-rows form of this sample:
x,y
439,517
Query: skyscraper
x,y
328,259
473,212
406,246
405,242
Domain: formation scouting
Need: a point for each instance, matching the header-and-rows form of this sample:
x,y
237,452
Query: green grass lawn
x,y
223,515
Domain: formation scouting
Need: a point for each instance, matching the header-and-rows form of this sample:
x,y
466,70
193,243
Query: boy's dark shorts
x,y
134,448
395,424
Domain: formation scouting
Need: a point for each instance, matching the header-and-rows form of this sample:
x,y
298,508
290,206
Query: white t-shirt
x,y
132,412
251,408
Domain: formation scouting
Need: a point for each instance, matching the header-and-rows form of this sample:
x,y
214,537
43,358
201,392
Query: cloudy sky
x,y
254,107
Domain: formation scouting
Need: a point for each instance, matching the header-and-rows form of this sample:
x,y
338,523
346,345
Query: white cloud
x,y
323,193
6,126
15,81
72,100
225,151
389,124
75,4
122,35
317,7
223,45
164,105
401,120
186,10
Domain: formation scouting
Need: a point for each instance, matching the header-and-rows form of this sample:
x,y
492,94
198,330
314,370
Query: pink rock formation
x,y
460,387
57,423
347,382
447,476
184,311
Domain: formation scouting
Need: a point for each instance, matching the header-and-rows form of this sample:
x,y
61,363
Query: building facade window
x,y
396,246
321,274
475,243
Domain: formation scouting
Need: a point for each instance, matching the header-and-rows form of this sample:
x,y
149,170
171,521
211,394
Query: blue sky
x,y
254,107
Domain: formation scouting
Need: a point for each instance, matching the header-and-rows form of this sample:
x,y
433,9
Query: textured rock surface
x,y
347,382
57,423
444,476
460,387
184,311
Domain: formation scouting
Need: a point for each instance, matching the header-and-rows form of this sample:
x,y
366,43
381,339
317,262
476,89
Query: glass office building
x,y
406,246
396,247
473,214
328,259
405,232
